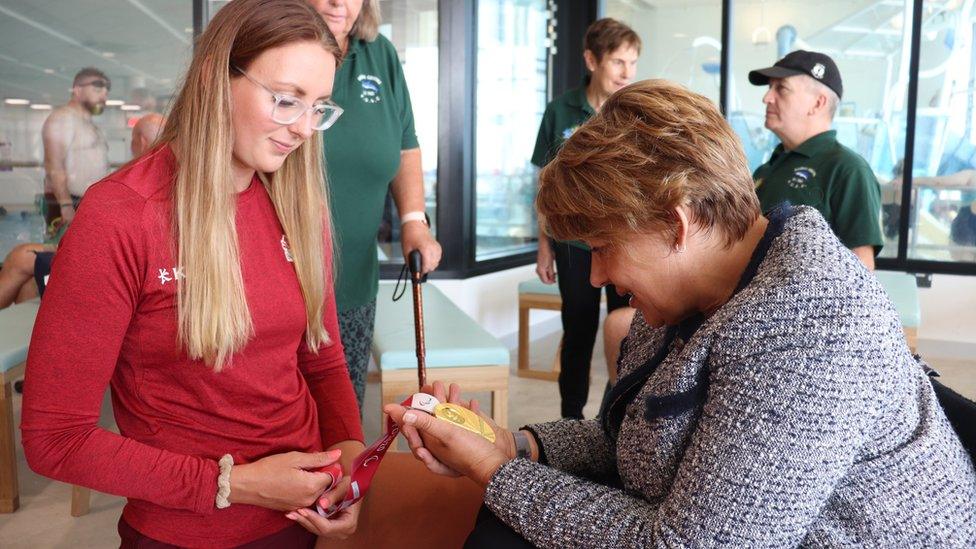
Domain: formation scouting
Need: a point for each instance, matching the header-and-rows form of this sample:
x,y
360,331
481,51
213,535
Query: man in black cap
x,y
810,166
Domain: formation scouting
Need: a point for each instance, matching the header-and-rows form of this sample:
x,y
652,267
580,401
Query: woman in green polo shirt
x,y
372,149
611,49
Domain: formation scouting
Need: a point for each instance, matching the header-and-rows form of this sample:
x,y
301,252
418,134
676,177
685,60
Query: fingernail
x,y
334,453
291,516
324,503
409,418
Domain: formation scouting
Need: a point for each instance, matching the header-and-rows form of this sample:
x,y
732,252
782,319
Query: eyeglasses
x,y
288,109
98,84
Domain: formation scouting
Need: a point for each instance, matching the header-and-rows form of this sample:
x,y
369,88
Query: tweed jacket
x,y
794,415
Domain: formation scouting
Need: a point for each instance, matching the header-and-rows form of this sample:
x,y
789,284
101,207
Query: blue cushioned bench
x,y
533,294
16,324
458,349
903,292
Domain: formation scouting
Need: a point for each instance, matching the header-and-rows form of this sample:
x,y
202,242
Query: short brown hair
x,y
88,72
367,25
606,35
653,146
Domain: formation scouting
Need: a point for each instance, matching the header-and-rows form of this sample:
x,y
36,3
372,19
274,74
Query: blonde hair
x,y
367,25
652,147
213,316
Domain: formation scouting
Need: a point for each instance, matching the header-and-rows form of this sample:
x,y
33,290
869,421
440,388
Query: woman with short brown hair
x,y
610,51
766,396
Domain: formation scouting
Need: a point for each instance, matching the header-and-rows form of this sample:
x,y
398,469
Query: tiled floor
x,y
44,521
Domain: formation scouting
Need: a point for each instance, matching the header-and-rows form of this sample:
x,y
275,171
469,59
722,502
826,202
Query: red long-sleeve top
x,y
109,316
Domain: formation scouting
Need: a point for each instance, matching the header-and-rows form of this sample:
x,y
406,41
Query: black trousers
x,y
581,320
491,533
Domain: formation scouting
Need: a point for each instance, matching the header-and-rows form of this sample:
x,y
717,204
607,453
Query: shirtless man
x,y
26,267
75,150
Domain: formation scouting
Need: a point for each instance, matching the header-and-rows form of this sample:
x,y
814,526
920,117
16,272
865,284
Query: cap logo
x,y
818,71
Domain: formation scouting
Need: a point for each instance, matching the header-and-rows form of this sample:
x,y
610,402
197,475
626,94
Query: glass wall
x,y
412,27
682,41
142,47
870,42
512,63
942,222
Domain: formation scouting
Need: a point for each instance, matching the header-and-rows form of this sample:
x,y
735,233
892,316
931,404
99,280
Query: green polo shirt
x,y
362,156
563,116
828,176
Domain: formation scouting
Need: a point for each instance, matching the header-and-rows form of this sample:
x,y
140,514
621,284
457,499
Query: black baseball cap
x,y
818,66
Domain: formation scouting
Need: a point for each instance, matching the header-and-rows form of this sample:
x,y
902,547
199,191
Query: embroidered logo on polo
x,y
801,176
370,88
286,249
818,71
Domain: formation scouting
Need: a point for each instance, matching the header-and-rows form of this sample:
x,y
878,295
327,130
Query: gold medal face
x,y
464,418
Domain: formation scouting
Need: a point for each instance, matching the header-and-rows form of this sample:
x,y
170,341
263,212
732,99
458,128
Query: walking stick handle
x,y
416,263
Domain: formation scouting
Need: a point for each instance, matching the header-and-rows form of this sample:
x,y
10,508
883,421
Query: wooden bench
x,y
458,350
533,294
16,324
903,292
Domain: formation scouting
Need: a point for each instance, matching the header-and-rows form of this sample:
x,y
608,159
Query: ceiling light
x,y
130,107
114,103
41,107
15,101
48,71
108,55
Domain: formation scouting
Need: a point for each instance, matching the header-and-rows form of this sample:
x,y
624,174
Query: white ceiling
x,y
43,43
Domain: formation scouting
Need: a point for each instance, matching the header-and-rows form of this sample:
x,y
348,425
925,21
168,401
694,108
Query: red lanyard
x,y
366,464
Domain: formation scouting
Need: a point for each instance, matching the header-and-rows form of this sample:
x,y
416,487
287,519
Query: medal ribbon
x,y
365,466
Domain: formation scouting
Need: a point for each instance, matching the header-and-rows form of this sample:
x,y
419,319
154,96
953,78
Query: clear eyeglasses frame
x,y
288,109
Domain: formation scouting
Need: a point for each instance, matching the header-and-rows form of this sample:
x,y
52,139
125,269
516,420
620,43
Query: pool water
x,y
19,228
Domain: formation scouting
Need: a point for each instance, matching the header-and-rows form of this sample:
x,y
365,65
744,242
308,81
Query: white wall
x,y
948,326
492,301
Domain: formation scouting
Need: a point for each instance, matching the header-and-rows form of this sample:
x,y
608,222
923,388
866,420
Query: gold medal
x,y
464,418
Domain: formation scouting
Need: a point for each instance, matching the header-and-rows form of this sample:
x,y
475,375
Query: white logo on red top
x,y
286,249
164,275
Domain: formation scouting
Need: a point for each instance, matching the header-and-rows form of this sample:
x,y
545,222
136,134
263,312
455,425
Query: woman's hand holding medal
x,y
449,449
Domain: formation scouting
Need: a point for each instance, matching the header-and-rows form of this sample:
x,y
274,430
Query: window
x,y
682,42
942,219
512,83
412,27
142,47
870,43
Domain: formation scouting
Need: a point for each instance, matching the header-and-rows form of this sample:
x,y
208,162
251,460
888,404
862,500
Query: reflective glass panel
x,y
870,43
942,222
511,97
412,27
682,41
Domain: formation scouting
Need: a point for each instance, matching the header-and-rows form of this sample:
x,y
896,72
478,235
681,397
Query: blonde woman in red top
x,y
196,281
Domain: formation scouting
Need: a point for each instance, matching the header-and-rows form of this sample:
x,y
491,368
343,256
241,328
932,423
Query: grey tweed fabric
x,y
818,428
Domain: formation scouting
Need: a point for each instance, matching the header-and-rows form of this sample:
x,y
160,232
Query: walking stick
x,y
415,261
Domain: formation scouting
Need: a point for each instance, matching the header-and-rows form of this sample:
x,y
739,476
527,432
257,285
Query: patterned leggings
x,y
356,332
